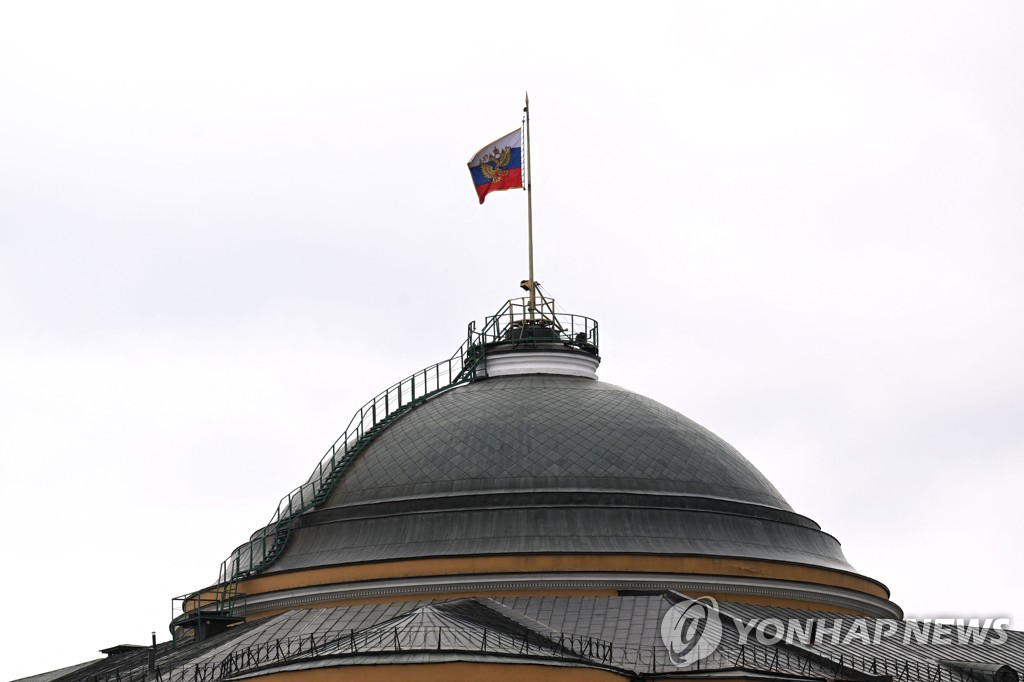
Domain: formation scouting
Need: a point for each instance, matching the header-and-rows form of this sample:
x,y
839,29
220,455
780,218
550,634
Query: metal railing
x,y
188,611
266,543
384,639
515,322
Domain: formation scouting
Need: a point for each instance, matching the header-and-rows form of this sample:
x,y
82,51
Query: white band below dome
x,y
568,362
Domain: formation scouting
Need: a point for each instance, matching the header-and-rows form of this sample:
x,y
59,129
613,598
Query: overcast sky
x,y
223,227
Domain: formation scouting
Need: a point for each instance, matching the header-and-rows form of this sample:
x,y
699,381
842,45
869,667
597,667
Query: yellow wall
x,y
447,672
555,563
465,672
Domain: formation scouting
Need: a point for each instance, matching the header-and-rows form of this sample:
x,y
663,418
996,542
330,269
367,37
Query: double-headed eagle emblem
x,y
494,163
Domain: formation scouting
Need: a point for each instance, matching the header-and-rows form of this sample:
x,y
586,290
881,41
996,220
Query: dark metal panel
x,y
551,464
534,432
541,530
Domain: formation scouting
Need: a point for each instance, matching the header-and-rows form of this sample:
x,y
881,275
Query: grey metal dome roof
x,y
549,432
552,464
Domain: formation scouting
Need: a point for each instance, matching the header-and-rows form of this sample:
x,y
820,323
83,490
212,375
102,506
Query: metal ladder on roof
x,y
268,543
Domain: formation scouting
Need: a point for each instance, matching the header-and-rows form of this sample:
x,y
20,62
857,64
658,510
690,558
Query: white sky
x,y
223,227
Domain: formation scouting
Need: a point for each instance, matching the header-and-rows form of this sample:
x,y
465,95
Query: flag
x,y
499,165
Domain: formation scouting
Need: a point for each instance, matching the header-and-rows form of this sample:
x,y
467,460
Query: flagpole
x,y
529,203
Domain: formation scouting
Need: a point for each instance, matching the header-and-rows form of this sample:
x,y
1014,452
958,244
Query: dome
x,y
510,469
548,463
544,432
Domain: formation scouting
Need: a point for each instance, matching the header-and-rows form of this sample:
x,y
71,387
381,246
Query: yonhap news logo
x,y
691,631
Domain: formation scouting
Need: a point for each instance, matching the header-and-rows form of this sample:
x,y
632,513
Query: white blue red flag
x,y
499,165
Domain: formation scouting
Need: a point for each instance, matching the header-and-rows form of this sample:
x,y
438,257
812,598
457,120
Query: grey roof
x,y
552,464
537,432
620,633
584,529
